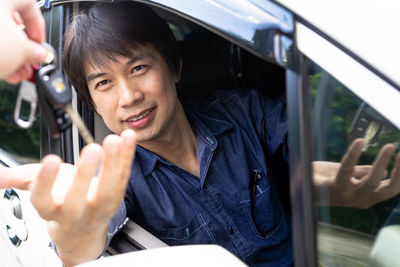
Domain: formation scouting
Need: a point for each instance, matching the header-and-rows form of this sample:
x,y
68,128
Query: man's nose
x,y
129,94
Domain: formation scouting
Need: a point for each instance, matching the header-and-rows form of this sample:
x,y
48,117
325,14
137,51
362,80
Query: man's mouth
x,y
142,119
141,116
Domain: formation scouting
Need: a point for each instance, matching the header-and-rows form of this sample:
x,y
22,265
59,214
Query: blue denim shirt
x,y
236,130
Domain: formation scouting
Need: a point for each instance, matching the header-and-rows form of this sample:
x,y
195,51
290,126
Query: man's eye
x,y
102,83
138,69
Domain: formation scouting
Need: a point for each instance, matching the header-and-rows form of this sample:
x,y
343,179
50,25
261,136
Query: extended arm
x,y
346,184
77,206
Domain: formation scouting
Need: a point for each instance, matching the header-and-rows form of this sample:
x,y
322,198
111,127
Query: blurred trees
x,y
23,144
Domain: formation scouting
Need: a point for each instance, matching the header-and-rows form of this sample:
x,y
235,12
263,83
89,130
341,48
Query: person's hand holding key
x,y
22,31
48,86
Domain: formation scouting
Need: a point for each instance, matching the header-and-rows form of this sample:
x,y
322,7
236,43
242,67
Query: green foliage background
x,y
22,144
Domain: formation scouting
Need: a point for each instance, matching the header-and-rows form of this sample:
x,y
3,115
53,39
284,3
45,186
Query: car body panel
x,y
253,25
20,218
356,77
366,29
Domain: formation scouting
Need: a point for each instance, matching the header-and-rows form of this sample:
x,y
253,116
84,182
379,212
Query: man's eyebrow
x,y
94,76
136,57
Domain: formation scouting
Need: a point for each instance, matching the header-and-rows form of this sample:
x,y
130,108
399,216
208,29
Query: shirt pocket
x,y
263,212
194,232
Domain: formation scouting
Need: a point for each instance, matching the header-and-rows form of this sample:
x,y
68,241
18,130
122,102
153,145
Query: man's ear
x,y
178,74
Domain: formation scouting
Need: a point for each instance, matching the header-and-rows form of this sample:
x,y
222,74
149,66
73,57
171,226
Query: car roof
x,y
367,28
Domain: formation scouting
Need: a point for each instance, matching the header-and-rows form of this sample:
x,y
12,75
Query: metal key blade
x,y
78,122
373,128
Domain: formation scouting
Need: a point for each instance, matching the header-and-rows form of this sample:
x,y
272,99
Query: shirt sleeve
x,y
270,117
116,224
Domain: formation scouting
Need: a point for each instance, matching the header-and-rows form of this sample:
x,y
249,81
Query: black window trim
x,y
300,155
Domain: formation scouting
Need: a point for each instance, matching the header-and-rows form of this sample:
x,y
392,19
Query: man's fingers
x,y
380,164
119,153
128,153
361,170
20,177
41,196
391,187
349,160
111,169
395,173
89,161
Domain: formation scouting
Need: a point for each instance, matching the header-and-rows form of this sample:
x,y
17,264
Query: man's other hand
x,y
346,184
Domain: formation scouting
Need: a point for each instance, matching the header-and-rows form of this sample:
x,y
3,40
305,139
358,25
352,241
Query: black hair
x,y
105,30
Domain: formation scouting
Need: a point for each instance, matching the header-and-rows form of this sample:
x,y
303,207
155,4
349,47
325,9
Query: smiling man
x,y
138,92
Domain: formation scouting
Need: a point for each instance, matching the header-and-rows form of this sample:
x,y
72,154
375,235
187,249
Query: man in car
x,y
193,166
200,174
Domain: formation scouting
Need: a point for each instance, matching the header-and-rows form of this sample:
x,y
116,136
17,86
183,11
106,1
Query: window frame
x,y
314,45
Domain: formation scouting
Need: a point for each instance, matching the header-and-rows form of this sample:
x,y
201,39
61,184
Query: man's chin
x,y
143,137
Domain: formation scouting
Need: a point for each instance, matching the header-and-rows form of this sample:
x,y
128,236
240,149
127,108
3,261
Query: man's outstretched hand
x,y
78,201
348,185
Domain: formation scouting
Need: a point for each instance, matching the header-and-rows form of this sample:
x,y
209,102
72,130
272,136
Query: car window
x,y
22,144
345,236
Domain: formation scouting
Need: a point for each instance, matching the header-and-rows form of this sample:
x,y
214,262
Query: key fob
x,y
27,93
54,93
363,120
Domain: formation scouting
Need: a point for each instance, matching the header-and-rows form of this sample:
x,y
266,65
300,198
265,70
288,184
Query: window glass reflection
x,y
346,235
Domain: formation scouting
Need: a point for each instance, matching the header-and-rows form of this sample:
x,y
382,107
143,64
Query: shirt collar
x,y
146,159
207,129
209,124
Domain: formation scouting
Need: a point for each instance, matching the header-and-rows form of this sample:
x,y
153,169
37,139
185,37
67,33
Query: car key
x,y
366,124
55,102
54,99
26,94
370,134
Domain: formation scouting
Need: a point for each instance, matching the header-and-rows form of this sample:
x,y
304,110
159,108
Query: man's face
x,y
135,93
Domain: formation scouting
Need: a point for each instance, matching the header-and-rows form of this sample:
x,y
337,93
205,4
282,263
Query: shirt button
x,y
231,231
